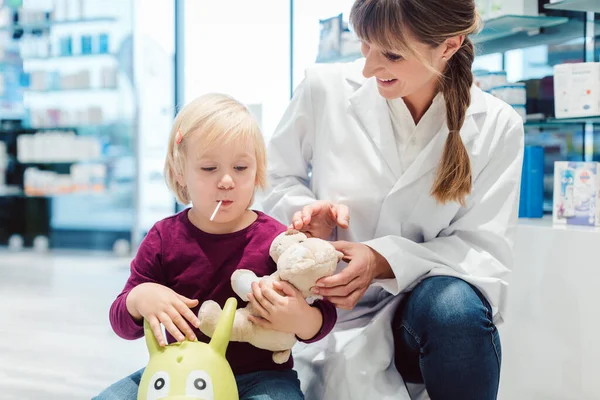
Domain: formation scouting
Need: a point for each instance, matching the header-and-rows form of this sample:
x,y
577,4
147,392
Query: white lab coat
x,y
338,126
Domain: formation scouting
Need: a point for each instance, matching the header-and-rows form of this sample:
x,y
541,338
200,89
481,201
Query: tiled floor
x,y
55,338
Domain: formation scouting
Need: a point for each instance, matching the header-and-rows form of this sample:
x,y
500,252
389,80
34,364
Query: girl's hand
x,y
158,304
320,218
281,307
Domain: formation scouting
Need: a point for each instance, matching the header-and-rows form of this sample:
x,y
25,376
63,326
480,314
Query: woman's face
x,y
400,75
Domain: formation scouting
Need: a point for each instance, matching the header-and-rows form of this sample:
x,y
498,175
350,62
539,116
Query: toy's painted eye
x,y
159,386
199,386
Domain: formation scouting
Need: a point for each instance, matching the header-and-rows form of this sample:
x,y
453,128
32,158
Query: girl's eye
x,y
240,169
393,57
208,169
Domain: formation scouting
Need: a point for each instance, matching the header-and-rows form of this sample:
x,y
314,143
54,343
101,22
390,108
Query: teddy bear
x,y
301,261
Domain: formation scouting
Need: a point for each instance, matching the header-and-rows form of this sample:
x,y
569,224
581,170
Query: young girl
x,y
216,160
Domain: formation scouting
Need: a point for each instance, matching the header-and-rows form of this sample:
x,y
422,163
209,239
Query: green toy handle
x,y
222,334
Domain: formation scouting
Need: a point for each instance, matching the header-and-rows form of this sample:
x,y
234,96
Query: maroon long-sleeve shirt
x,y
198,265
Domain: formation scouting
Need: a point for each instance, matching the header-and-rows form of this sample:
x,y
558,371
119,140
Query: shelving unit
x,y
509,25
36,26
575,5
84,81
561,121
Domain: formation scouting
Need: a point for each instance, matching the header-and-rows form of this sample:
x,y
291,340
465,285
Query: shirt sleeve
x,y
329,319
145,268
289,169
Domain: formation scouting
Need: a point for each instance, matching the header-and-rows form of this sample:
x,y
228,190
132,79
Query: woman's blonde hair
x,y
215,119
386,23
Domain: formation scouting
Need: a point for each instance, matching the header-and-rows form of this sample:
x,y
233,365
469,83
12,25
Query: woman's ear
x,y
451,46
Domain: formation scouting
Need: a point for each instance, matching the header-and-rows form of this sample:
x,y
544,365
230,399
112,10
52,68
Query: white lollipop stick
x,y
216,209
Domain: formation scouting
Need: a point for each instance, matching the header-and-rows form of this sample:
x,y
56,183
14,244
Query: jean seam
x,y
488,315
413,334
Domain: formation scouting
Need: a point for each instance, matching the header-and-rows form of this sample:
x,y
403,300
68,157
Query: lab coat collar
x,y
372,113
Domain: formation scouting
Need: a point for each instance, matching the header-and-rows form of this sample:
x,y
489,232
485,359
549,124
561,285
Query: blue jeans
x,y
444,337
262,385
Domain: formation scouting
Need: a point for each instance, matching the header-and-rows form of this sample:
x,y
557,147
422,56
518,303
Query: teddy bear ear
x,y
339,255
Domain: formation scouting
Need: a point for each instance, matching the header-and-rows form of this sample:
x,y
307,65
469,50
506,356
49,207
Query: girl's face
x,y
402,75
225,173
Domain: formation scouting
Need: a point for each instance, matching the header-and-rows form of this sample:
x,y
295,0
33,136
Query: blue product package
x,y
103,43
531,203
86,44
66,46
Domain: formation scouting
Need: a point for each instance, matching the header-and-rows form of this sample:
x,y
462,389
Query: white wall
x,y
241,48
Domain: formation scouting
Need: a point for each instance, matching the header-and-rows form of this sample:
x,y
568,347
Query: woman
x,y
429,169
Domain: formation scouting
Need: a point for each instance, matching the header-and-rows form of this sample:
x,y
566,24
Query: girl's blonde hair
x,y
215,119
386,22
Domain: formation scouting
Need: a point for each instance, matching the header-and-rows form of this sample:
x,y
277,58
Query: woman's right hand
x,y
320,218
158,304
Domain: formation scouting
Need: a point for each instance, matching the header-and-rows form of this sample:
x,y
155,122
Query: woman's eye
x,y
240,169
208,169
393,57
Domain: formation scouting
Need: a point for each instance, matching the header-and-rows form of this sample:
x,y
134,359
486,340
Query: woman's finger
x,y
346,302
343,216
342,278
307,213
297,222
170,327
181,323
341,290
158,333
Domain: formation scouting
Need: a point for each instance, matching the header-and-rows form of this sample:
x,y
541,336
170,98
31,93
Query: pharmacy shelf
x,y
575,5
10,191
66,90
561,121
499,36
36,26
91,56
509,25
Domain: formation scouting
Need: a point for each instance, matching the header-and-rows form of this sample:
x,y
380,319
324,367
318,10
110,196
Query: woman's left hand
x,y
345,288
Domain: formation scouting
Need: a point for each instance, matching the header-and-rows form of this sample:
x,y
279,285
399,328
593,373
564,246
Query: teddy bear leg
x,y
279,357
208,315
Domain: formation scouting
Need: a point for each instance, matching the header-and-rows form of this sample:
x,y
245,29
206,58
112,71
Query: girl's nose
x,y
226,182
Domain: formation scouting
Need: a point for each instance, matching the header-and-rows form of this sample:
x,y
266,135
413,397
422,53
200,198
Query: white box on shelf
x,y
576,193
577,90
497,8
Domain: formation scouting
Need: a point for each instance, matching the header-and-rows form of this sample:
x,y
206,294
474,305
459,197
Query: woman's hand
x,y
281,307
320,218
345,288
158,304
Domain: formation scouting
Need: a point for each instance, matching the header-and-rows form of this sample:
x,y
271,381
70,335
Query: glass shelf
x,y
509,25
561,121
66,90
47,24
72,56
339,59
575,5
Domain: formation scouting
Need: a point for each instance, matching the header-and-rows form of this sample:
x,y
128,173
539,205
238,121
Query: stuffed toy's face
x,y
305,262
188,370
284,241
